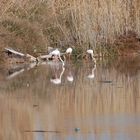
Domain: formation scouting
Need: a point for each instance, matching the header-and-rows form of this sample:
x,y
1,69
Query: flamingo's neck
x,y
93,58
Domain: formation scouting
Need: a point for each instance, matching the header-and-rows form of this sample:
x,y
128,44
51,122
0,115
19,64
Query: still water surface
x,y
77,102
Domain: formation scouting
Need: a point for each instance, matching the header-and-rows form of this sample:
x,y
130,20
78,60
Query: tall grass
x,y
36,24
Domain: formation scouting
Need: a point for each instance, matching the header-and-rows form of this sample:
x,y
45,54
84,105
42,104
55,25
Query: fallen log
x,y
10,51
13,56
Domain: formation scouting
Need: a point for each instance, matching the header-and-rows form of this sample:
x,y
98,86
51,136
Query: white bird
x,y
92,55
57,53
90,51
69,50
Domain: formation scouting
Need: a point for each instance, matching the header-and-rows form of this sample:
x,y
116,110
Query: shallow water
x,y
77,102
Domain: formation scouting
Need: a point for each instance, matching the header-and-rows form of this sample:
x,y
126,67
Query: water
x,y
77,102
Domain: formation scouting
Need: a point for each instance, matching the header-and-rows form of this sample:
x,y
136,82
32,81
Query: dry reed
x,y
35,25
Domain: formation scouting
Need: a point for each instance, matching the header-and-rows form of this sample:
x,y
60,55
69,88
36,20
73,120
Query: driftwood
x,y
44,57
18,57
10,51
31,58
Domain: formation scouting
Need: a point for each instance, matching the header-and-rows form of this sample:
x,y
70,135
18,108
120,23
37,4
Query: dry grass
x,y
34,25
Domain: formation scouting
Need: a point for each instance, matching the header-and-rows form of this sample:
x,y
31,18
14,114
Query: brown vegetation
x,y
33,25
128,45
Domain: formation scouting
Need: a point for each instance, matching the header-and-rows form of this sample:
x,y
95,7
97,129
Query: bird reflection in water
x,y
58,71
69,77
92,74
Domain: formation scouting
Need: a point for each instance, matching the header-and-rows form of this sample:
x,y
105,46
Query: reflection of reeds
x,y
14,119
35,24
84,103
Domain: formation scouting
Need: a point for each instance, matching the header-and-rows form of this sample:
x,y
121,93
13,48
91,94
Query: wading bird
x,y
90,55
68,52
56,55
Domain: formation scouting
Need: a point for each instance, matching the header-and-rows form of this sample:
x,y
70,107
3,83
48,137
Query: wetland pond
x,y
76,102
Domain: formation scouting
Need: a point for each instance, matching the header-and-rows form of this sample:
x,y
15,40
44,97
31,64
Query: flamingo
x,y
90,52
56,55
69,52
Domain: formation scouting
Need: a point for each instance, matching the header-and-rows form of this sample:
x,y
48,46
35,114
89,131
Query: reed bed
x,y
33,25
